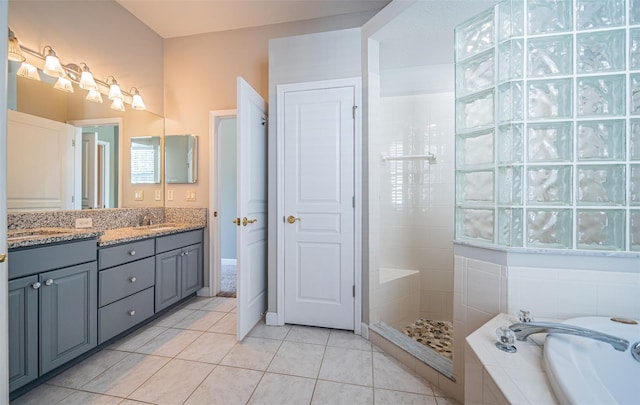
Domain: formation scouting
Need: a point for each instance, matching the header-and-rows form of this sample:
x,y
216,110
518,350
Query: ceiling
x,y
423,34
176,18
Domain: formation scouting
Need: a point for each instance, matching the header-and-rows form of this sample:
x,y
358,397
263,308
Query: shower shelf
x,y
431,158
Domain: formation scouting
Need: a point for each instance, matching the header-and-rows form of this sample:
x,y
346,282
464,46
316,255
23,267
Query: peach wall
x,y
200,76
109,39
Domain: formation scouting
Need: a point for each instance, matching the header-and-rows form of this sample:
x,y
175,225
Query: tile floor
x,y
190,356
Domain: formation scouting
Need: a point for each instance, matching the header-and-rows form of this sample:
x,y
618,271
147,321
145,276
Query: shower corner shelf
x,y
429,157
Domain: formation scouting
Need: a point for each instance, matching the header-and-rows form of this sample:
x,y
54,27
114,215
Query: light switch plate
x,y
158,195
84,222
191,195
138,195
169,195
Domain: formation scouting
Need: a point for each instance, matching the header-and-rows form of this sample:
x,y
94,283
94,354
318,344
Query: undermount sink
x,y
158,227
33,233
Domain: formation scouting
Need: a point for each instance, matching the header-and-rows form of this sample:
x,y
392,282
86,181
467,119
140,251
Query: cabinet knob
x,y
48,282
133,279
132,312
132,253
36,285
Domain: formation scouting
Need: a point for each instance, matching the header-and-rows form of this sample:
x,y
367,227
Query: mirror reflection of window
x,y
145,160
180,162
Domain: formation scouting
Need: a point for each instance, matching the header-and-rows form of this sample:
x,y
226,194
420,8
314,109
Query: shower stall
x,y
411,179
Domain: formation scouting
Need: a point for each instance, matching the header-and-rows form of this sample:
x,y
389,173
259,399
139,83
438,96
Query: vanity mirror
x,y
181,159
40,99
145,160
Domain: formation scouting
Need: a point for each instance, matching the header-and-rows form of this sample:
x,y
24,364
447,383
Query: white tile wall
x,y
416,231
568,293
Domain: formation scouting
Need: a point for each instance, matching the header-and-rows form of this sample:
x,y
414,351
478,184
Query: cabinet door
x,y
23,331
191,269
68,314
167,279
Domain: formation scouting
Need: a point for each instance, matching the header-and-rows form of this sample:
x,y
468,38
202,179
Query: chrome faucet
x,y
522,330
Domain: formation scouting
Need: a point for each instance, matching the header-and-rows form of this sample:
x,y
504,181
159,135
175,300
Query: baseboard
x,y
364,330
229,262
204,292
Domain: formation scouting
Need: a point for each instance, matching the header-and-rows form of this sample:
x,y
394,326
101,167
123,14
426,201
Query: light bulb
x,y
29,71
137,103
117,104
52,66
94,96
63,84
86,79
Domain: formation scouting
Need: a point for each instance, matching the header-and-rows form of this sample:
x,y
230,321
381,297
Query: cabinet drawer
x,y
118,282
170,242
124,314
121,254
25,262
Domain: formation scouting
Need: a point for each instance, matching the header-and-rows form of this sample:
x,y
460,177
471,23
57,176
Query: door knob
x,y
48,282
291,219
3,257
36,285
246,221
237,221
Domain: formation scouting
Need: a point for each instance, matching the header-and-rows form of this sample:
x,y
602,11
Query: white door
x,y
252,208
39,142
89,170
319,207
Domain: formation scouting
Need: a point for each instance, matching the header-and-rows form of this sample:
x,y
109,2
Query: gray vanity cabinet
x,y
52,307
23,331
68,319
179,270
126,287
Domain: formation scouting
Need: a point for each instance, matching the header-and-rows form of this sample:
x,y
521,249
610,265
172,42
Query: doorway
x,y
318,172
99,162
249,216
227,177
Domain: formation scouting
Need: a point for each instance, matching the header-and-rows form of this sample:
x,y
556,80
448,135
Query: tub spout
x,y
523,330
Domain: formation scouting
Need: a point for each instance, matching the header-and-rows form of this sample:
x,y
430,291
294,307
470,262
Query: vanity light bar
x,y
73,73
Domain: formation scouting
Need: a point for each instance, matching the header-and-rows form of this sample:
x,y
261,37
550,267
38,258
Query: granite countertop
x,y
42,236
121,235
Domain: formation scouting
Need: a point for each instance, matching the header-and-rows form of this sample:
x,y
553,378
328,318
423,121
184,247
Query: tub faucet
x,y
522,330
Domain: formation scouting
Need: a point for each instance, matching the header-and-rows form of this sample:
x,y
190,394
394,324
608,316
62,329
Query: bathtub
x,y
586,371
398,300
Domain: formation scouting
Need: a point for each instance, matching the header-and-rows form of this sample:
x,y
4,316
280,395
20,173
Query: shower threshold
x,y
423,353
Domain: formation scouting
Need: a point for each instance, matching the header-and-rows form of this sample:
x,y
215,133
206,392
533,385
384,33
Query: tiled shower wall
x,y
416,198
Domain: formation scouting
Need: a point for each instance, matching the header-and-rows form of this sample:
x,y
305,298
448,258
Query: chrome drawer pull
x,y
48,282
132,253
36,285
132,312
133,279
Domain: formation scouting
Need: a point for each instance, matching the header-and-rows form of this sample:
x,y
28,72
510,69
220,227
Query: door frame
x,y
105,173
356,83
214,201
4,282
